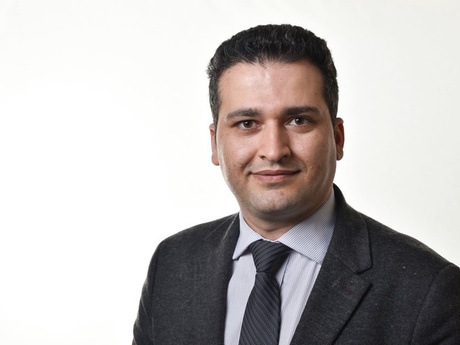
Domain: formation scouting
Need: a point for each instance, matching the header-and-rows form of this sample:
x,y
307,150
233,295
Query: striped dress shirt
x,y
309,241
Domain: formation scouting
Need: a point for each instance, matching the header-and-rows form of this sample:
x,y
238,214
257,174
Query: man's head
x,y
274,43
275,133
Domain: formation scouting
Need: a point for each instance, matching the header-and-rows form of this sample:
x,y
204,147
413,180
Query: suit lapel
x,y
339,286
212,274
335,296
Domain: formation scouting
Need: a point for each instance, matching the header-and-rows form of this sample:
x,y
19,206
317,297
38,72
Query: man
x,y
339,277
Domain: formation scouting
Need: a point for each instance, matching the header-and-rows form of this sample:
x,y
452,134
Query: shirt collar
x,y
310,237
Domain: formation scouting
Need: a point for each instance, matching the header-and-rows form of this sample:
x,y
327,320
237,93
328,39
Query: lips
x,y
274,175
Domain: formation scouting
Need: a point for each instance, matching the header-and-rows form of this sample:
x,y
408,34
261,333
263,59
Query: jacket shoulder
x,y
395,246
214,229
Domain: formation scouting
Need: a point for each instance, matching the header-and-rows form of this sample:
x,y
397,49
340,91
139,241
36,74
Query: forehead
x,y
274,84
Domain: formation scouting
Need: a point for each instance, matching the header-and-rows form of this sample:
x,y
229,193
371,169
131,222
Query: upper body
x,y
376,286
276,137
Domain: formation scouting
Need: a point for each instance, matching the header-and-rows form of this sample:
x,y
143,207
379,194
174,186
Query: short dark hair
x,y
284,43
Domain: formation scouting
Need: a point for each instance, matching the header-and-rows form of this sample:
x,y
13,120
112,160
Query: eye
x,y
247,124
299,121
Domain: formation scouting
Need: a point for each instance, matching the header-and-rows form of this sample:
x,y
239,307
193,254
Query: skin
x,y
275,143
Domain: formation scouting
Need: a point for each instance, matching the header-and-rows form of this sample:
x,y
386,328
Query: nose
x,y
274,144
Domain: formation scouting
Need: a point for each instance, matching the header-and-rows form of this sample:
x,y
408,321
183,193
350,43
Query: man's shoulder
x,y
209,233
386,245
391,247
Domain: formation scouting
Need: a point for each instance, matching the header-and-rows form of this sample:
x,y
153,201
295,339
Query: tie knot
x,y
268,256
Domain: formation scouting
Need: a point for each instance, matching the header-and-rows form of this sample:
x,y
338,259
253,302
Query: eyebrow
x,y
291,111
301,110
245,112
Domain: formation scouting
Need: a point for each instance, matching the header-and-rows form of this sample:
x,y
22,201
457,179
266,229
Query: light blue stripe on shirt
x,y
309,241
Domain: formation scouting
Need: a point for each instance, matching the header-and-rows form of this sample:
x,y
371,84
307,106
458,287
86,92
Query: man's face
x,y
275,142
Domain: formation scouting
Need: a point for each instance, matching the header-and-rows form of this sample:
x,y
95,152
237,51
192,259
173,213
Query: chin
x,y
276,208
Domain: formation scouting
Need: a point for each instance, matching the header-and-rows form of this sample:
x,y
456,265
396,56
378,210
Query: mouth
x,y
275,175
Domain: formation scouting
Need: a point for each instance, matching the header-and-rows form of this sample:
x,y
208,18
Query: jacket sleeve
x,y
439,319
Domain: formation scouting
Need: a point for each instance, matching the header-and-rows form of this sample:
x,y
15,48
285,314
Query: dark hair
x,y
284,43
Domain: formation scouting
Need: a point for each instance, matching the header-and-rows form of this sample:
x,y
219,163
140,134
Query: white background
x,y
104,146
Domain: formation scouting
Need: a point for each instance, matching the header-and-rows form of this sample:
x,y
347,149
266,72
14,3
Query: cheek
x,y
234,157
316,153
232,165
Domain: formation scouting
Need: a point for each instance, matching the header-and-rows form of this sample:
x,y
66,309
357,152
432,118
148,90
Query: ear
x,y
339,136
214,155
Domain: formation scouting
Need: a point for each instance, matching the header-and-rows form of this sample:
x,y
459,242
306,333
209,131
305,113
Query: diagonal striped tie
x,y
262,318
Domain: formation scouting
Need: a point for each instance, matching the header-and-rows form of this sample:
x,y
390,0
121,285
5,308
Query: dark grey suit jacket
x,y
376,286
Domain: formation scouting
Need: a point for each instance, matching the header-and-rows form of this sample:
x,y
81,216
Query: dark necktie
x,y
262,318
